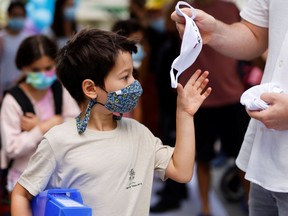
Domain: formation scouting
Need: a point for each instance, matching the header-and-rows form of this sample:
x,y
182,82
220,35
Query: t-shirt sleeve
x,y
256,12
40,167
163,156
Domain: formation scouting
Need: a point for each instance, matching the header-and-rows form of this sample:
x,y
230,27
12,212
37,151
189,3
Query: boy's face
x,y
118,78
121,74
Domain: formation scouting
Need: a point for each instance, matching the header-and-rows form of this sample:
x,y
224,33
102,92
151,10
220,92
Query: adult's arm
x,y
241,40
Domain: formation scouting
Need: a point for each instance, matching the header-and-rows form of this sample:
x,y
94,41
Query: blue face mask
x,y
70,13
41,80
138,57
158,25
16,24
120,101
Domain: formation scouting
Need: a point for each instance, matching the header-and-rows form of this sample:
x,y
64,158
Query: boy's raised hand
x,y
194,93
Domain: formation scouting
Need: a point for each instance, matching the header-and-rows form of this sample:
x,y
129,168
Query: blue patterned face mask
x,y
121,101
124,100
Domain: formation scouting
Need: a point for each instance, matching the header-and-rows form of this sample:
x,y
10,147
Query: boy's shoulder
x,y
67,127
130,122
134,125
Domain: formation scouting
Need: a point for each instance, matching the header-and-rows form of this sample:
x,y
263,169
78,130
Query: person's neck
x,y
101,122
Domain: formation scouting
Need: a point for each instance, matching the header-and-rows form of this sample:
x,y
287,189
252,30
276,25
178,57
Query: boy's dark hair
x,y
127,27
90,54
33,48
15,4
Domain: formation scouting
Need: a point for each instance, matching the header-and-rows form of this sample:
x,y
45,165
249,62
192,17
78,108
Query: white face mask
x,y
190,47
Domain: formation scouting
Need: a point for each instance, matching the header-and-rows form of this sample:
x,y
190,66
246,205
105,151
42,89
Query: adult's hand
x,y
276,116
205,23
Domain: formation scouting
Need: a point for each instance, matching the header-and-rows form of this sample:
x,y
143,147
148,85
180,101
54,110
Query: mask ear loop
x,y
82,124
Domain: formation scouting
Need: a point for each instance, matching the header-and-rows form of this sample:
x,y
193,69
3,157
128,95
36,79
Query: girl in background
x,y
21,132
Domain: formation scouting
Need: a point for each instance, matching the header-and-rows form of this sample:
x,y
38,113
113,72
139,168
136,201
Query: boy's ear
x,y
89,88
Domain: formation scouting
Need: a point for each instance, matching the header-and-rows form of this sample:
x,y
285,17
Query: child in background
x,y
10,38
64,22
22,132
110,159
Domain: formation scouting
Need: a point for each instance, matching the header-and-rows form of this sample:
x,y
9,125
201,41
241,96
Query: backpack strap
x,y
58,96
25,103
22,99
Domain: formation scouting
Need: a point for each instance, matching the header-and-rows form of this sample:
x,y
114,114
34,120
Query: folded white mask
x,y
251,97
190,47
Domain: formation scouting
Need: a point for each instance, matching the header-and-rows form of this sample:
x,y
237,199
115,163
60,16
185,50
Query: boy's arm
x,y
21,201
190,98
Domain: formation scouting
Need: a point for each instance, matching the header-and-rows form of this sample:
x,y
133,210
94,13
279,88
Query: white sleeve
x,y
39,169
256,12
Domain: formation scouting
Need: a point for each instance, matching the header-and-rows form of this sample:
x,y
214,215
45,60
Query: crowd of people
x,y
66,80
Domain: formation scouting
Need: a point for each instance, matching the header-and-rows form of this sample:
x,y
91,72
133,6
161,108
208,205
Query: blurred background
x,y
99,13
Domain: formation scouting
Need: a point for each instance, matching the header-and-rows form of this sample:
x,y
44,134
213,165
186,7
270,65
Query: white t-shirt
x,y
112,169
263,155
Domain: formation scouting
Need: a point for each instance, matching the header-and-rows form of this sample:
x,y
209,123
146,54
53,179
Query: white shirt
x,y
264,151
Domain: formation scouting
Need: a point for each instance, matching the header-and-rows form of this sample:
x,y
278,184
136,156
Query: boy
x,y
109,159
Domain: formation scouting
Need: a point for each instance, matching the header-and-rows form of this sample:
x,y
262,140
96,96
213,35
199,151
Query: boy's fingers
x,y
202,78
179,88
203,84
194,77
207,92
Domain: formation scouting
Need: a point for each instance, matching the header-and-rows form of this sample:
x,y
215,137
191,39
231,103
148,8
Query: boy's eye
x,y
126,77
